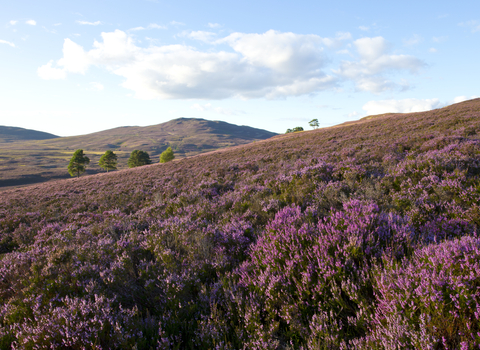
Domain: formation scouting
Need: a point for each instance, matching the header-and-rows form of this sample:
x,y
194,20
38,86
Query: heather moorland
x,y
360,236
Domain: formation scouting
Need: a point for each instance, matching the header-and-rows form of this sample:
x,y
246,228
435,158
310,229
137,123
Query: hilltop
x,y
359,236
36,160
11,134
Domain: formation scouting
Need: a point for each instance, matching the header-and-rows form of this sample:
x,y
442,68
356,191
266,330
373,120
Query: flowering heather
x,y
359,236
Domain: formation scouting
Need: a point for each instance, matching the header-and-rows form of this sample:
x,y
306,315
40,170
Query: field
x,y
361,236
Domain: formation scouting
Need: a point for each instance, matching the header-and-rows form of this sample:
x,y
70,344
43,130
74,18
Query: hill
x,y
361,236
24,162
10,134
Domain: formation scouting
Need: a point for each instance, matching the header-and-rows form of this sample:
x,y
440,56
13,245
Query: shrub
x,y
167,155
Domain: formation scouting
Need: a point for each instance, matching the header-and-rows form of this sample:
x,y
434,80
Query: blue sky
x,y
75,67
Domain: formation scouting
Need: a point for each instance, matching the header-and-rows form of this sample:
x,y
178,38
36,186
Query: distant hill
x,y
30,160
11,133
187,136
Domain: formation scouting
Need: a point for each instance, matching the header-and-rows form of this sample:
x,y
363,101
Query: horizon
x,y
76,69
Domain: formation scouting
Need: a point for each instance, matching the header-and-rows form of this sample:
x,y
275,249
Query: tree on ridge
x,y
78,163
295,129
314,123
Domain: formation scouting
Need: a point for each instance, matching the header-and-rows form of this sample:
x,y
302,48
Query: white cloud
x,y
439,39
473,25
209,108
7,43
156,26
267,65
371,48
353,114
74,58
31,22
286,52
463,98
432,50
271,65
338,41
201,36
150,26
414,40
94,86
401,106
48,72
213,25
12,22
89,23
49,30
375,61
364,28
175,23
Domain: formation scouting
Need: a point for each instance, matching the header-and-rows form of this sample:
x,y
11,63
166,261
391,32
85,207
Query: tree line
x,y
108,161
313,123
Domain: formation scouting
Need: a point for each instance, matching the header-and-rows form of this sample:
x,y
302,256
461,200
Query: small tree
x,y
138,158
314,123
78,163
295,129
108,161
167,155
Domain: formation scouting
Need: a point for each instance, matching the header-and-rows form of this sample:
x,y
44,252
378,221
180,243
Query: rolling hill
x,y
24,161
359,236
12,134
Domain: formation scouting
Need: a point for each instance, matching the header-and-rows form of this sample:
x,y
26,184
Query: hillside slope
x,y
361,236
36,161
11,134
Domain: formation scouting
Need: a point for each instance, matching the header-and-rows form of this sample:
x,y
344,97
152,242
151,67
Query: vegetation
x,y
78,163
314,123
167,155
108,161
295,129
29,157
363,236
138,158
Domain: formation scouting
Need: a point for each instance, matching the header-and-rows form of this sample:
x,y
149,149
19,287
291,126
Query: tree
x,y
138,158
314,123
167,155
295,129
108,161
78,163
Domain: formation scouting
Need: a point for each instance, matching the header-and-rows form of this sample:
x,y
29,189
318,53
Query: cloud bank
x,y
369,73
241,65
401,106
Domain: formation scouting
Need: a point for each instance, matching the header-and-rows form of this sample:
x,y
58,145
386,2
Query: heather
x,y
359,236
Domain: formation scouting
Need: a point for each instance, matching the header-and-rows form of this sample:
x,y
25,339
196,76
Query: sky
x,y
76,67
